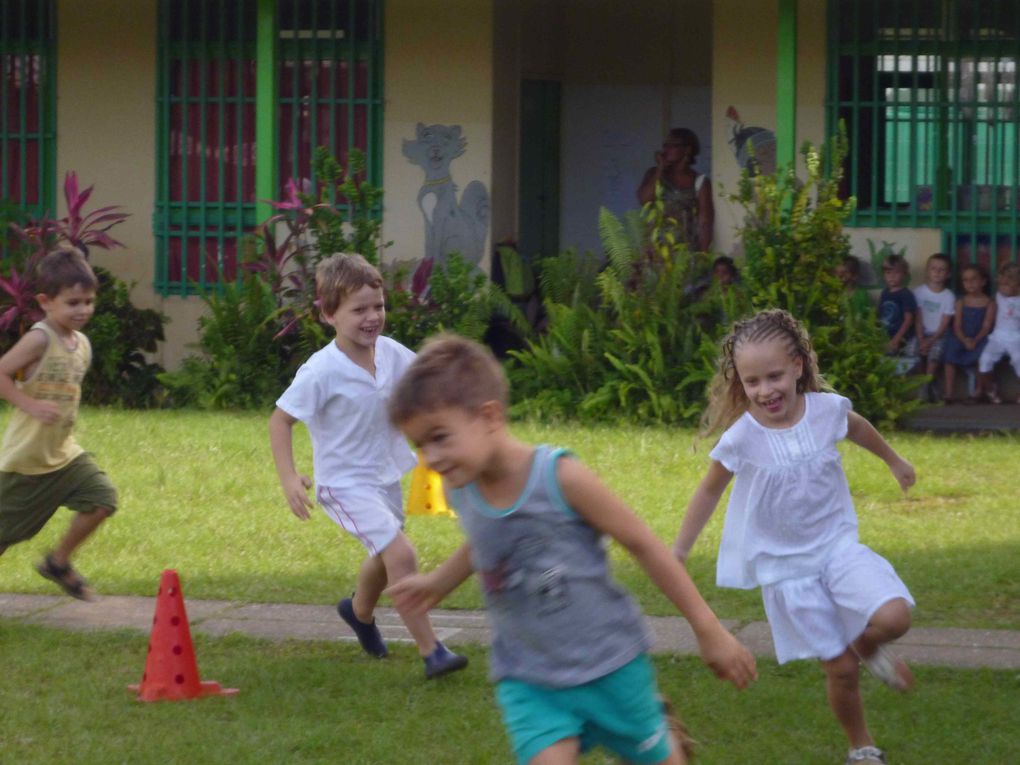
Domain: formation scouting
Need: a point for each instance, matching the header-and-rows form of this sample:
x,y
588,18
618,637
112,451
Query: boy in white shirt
x,y
936,306
1005,338
340,394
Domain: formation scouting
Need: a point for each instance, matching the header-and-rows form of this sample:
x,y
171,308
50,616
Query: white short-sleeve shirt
x,y
933,306
790,503
1007,319
344,408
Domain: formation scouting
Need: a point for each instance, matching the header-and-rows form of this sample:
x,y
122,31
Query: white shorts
x,y
995,349
818,617
372,514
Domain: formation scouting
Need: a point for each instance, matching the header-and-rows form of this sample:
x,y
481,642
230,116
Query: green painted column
x,y
266,85
786,84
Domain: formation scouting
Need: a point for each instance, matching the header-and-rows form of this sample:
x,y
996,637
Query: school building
x,y
487,121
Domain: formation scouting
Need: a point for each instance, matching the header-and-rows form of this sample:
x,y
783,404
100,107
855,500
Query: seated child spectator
x,y
897,310
858,300
1005,338
936,306
974,319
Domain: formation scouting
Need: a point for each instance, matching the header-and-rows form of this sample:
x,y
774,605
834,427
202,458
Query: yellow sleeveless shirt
x,y
30,446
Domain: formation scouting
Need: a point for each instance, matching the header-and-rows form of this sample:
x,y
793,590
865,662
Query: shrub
x,y
121,335
793,240
239,364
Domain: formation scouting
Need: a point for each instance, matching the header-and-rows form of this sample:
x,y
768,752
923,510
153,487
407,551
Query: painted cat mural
x,y
451,224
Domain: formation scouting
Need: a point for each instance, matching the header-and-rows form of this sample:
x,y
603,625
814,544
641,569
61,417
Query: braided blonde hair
x,y
726,398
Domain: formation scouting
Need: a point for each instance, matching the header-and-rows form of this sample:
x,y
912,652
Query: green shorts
x,y
620,711
27,502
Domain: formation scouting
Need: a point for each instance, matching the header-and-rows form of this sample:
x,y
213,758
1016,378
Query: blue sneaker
x,y
443,661
367,633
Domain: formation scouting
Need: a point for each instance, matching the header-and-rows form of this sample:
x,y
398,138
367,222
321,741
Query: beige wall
x,y
106,132
918,243
744,76
439,70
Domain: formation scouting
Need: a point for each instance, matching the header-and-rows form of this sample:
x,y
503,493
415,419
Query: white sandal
x,y
870,754
889,668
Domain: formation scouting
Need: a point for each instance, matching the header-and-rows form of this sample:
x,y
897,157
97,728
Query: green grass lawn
x,y
199,494
64,700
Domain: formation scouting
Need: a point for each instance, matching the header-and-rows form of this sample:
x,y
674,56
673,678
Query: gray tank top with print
x,y
557,617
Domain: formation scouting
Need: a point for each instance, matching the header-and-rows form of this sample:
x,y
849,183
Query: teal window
x,y
928,93
320,76
27,100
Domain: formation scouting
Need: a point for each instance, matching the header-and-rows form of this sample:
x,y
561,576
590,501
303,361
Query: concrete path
x,y
996,649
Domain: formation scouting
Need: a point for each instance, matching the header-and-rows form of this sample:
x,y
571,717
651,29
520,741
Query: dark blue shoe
x,y
368,634
442,661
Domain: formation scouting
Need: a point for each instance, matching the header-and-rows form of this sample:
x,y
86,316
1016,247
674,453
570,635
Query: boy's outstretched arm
x,y
700,508
26,352
295,486
606,512
864,434
418,593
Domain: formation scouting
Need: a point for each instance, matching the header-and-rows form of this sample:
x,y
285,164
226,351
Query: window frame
x,y
971,214
24,46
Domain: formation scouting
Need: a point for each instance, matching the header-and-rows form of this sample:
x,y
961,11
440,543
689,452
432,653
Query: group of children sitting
x,y
930,327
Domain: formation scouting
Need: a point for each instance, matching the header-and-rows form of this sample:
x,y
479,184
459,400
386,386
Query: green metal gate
x,y
928,94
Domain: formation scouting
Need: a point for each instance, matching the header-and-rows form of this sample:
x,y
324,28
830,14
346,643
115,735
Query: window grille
x,y
329,93
928,94
27,95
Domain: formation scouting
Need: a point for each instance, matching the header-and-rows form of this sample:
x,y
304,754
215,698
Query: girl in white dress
x,y
791,527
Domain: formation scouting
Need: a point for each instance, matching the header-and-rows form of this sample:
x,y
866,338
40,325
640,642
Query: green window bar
x,y
330,86
205,200
928,94
28,105
210,55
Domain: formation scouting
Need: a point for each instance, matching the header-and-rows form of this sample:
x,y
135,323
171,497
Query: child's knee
x,y
399,558
893,618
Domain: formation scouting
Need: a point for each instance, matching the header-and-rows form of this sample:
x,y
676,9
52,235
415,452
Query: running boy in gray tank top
x,y
569,646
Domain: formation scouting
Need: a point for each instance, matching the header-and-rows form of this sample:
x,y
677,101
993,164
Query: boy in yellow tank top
x,y
42,467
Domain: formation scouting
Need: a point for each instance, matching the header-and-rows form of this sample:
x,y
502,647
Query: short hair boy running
x,y
568,647
340,394
42,467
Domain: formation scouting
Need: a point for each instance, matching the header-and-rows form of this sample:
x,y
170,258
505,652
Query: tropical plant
x,y
619,341
240,362
793,240
121,333
459,298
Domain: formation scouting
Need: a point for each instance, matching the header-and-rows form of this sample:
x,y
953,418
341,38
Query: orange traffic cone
x,y
426,495
171,672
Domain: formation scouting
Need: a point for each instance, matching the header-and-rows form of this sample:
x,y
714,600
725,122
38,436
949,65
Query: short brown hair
x,y
63,267
339,275
450,371
1010,272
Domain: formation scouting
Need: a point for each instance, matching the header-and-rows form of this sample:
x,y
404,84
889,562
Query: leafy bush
x,y
619,341
793,240
239,364
459,298
121,334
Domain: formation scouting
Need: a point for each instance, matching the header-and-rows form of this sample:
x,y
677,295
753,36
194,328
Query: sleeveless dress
x,y
956,353
682,206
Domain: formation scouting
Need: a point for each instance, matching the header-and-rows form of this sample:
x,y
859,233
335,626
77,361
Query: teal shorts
x,y
620,711
27,502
